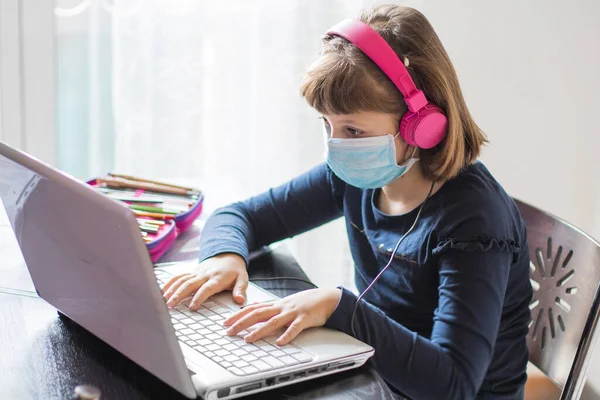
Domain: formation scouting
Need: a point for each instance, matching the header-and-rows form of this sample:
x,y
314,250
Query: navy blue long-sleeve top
x,y
448,319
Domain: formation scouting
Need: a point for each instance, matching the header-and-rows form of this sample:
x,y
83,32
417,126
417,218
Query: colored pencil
x,y
153,209
135,199
150,221
153,215
149,229
135,178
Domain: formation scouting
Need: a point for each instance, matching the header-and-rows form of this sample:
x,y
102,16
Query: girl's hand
x,y
299,311
225,271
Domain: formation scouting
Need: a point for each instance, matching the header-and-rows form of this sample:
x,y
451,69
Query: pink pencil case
x,y
163,239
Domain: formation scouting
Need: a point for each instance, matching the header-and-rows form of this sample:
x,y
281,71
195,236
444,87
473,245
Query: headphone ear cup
x,y
406,128
425,128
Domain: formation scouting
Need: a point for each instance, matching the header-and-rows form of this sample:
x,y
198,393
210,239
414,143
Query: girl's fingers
x,y
291,332
175,283
172,281
276,322
207,289
257,315
245,311
185,289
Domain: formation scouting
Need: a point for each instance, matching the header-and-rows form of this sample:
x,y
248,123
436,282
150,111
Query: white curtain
x,y
202,92
208,92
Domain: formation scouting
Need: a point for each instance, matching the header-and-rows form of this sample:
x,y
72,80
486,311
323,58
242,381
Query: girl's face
x,y
366,124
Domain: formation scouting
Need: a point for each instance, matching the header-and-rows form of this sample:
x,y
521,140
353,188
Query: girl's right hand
x,y
225,271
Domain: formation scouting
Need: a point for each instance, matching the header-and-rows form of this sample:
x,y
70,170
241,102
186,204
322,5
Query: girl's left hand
x,y
299,311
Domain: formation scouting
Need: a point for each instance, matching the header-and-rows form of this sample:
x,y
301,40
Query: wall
x,y
529,70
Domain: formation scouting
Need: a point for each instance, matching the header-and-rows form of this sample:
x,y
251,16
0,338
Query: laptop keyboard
x,y
203,331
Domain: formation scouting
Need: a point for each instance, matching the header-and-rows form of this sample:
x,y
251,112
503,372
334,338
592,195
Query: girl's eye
x,y
353,132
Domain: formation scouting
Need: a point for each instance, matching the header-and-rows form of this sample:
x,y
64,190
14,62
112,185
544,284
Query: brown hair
x,y
344,81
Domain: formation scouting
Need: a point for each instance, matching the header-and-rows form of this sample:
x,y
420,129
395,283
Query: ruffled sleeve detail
x,y
477,243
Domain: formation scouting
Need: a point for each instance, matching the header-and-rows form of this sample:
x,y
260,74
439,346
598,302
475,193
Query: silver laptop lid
x,y
87,258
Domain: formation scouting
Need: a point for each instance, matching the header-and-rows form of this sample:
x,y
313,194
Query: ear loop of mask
x,y
407,146
389,262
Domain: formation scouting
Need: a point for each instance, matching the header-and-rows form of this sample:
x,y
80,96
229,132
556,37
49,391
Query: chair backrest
x,y
565,275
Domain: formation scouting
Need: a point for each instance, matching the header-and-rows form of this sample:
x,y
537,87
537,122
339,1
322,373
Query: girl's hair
x,y
344,81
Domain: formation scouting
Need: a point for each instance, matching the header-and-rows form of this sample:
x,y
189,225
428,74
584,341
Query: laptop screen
x,y
86,258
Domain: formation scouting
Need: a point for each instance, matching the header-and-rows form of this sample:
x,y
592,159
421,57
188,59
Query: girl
x,y
440,250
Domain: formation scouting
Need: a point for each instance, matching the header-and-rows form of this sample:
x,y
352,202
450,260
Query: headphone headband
x,y
424,124
377,49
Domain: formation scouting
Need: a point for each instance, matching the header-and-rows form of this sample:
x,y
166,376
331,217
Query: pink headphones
x,y
424,124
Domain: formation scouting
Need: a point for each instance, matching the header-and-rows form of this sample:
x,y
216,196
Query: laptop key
x,y
215,328
204,342
225,364
222,342
209,354
277,353
230,347
212,347
264,346
178,326
231,358
235,370
250,369
261,365
239,352
187,331
221,352
240,363
212,336
210,304
273,362
204,332
217,358
248,357
249,347
195,326
259,353
199,348
195,336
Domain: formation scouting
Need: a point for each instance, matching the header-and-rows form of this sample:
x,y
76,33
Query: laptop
x,y
86,258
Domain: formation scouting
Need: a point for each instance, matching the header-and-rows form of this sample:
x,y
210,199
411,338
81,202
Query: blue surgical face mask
x,y
367,163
